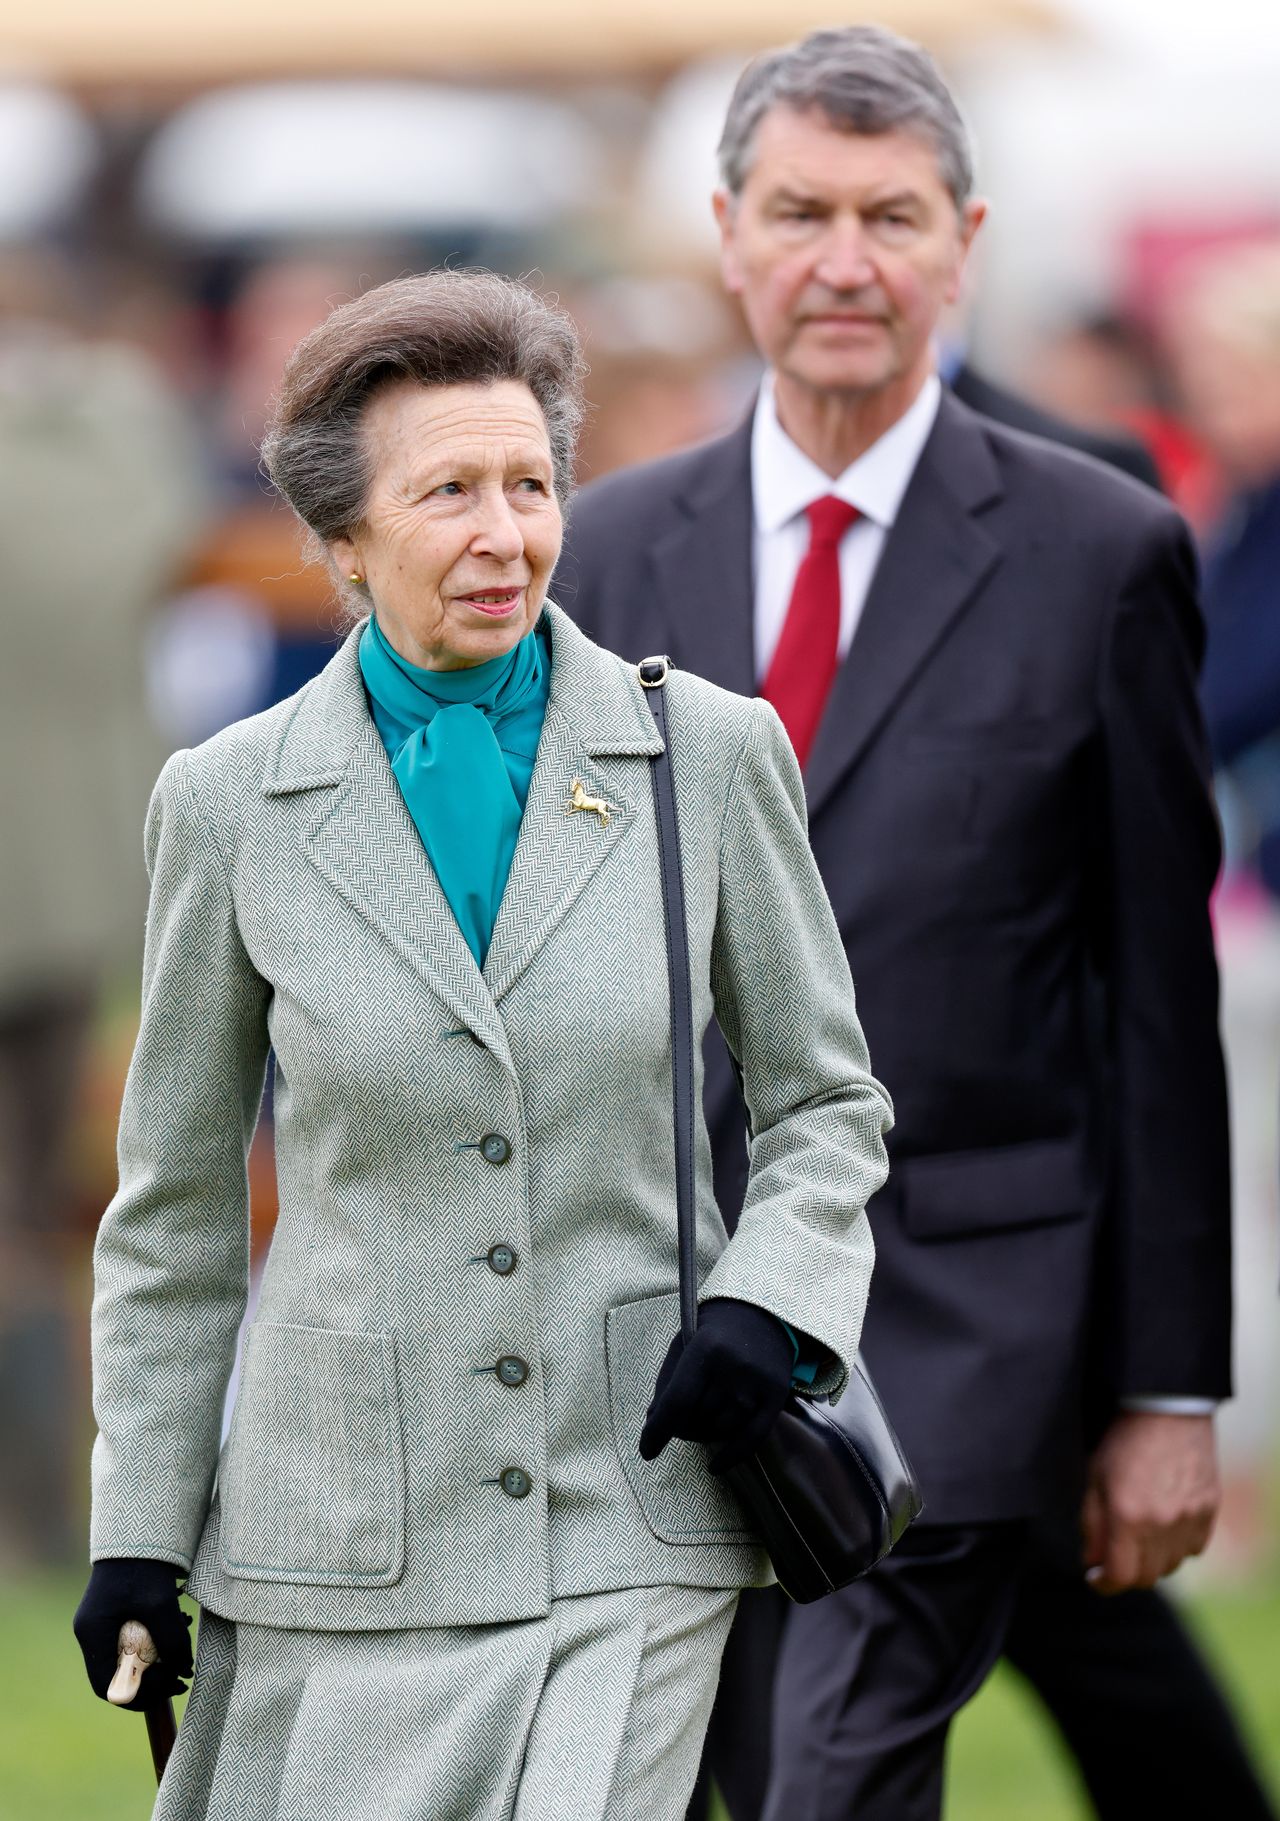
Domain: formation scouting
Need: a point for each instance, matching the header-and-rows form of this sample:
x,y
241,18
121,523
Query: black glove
x,y
129,1588
726,1388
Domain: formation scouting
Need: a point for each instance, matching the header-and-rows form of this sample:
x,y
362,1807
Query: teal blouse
x,y
462,745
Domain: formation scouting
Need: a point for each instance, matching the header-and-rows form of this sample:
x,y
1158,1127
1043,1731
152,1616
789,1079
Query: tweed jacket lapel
x,y
362,839
597,712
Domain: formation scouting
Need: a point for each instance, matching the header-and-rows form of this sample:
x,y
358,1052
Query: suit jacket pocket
x,y
682,1500
958,1194
312,1481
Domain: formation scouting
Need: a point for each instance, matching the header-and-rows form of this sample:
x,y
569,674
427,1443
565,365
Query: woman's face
x,y
462,527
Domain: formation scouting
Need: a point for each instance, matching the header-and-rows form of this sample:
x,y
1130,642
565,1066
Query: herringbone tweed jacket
x,y
366,1481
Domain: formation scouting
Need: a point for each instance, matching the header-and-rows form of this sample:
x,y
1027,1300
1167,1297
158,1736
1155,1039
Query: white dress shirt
x,y
784,482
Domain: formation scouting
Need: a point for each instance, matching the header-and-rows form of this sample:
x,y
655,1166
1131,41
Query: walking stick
x,y
137,1650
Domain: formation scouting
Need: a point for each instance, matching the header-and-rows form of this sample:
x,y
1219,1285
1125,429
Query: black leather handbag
x,y
830,1491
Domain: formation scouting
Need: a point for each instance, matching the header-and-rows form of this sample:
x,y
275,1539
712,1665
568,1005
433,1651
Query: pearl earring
x,y
355,577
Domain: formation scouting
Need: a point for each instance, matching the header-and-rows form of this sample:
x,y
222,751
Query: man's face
x,y
844,248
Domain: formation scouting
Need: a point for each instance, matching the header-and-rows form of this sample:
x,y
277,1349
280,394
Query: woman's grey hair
x,y
865,80
445,328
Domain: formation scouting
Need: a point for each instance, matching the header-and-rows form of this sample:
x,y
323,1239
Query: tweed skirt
x,y
595,1713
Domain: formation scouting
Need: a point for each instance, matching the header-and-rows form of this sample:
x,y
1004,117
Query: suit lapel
x,y
596,712
704,568
362,840
935,559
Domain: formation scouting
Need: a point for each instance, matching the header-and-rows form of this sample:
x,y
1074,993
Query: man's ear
x,y
972,216
725,206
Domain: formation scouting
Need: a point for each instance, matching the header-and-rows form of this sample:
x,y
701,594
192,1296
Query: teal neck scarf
x,y
462,745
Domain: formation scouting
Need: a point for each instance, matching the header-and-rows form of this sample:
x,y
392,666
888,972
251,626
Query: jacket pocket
x,y
682,1500
312,1480
958,1194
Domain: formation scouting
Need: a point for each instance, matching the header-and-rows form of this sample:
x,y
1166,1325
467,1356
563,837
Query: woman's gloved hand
x,y
726,1388
127,1587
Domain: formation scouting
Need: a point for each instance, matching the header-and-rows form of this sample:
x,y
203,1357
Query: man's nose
x,y
844,260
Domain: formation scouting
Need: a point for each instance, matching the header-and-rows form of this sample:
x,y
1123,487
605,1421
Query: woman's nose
x,y
497,532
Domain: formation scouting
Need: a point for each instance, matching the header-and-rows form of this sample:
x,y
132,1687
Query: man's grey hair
x,y
865,80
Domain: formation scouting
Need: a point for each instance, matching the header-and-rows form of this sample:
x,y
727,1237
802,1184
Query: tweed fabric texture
x,y
595,1713
292,903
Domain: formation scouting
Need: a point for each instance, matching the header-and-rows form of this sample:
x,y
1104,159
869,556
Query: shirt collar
x,y
784,481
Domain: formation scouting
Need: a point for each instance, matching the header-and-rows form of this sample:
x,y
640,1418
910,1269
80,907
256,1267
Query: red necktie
x,y
804,665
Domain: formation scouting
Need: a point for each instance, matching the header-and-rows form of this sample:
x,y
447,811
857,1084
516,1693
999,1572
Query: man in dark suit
x,y
985,652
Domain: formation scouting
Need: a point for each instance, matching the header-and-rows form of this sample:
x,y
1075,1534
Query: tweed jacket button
x,y
494,1148
515,1482
503,1260
512,1370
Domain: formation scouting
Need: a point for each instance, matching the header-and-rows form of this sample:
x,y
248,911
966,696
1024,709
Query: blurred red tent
x,y
153,41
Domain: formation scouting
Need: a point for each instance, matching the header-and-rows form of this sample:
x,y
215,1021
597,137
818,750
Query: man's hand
x,y
1151,1499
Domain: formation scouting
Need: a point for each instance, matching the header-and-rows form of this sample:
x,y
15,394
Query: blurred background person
x,y
1223,334
1104,373
101,499
1126,453
1226,339
1105,440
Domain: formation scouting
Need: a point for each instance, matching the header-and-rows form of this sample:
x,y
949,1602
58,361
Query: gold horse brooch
x,y
578,799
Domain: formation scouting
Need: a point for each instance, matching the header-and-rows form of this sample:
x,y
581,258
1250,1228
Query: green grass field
x,y
66,1757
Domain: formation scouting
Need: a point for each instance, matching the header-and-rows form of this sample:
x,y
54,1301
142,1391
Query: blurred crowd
x,y
155,591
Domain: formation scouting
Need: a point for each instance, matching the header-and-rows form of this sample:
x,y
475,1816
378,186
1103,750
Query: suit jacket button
x,y
503,1260
494,1148
512,1370
515,1482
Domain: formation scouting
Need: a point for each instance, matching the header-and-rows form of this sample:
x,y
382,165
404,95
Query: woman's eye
x,y
530,481
448,487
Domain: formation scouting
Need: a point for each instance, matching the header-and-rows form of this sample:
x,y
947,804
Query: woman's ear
x,y
347,558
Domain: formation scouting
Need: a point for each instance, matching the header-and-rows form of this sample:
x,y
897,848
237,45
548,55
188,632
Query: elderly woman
x,y
444,1575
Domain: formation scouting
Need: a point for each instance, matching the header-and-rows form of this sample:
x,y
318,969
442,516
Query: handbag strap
x,y
652,673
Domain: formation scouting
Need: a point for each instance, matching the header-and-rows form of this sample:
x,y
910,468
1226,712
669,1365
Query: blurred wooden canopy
x,y
194,41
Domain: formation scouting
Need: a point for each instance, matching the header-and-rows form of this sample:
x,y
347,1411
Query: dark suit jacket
x,y
1009,801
